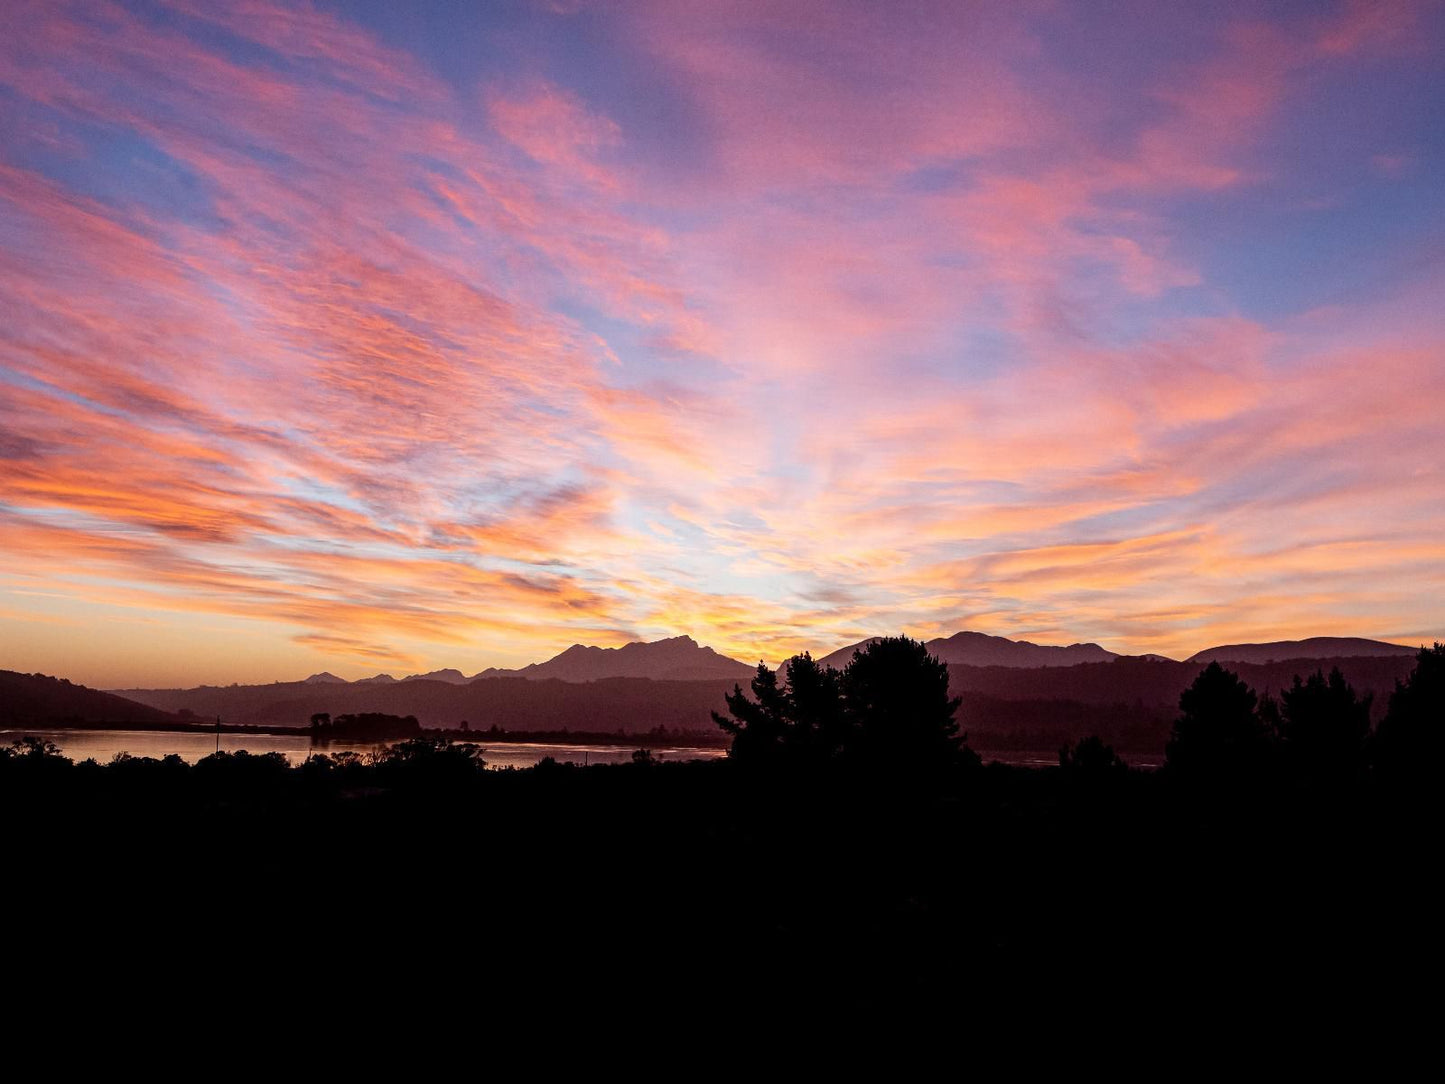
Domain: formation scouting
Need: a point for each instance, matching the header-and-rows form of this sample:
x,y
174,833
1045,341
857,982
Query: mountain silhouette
x,y
451,677
324,678
1129,701
679,658
1316,647
379,679
979,649
37,700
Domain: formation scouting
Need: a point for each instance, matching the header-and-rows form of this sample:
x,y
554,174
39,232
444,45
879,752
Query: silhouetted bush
x,y
429,761
1091,757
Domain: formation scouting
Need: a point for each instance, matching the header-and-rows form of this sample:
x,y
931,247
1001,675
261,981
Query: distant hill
x,y
324,678
1316,647
979,649
679,658
379,679
37,700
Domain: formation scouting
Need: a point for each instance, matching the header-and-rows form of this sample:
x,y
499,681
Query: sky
x,y
370,337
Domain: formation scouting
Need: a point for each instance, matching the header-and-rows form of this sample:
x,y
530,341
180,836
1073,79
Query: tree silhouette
x,y
1323,727
1410,741
889,709
1218,733
818,726
900,716
757,726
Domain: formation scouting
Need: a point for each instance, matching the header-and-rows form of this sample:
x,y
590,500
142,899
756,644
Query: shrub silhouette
x,y
429,762
1091,757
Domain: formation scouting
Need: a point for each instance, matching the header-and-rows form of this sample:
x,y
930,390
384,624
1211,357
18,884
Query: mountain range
x,y
1015,694
678,658
681,658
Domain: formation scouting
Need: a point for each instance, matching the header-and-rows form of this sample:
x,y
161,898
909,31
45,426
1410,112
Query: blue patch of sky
x,y
459,41
117,168
933,178
507,43
20,380
1347,194
972,353
642,359
1273,261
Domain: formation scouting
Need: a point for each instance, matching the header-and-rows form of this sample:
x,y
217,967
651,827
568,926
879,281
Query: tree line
x,y
889,709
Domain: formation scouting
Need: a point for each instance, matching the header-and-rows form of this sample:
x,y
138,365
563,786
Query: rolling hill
x,y
1316,647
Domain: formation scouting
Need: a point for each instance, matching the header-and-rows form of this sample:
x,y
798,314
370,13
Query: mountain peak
x,y
673,658
450,676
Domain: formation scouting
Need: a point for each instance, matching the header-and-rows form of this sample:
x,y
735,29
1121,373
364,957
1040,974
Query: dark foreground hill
x,y
37,700
996,885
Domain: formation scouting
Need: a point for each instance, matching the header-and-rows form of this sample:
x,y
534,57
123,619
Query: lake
x,y
103,745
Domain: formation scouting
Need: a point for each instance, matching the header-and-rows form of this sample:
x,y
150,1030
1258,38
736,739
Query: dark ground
x,y
995,883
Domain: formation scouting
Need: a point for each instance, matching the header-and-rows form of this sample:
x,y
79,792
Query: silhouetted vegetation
x,y
888,711
850,835
1219,738
370,726
1323,728
1090,757
1408,746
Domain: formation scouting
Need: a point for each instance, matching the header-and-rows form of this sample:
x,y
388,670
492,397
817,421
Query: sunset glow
x,y
388,337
